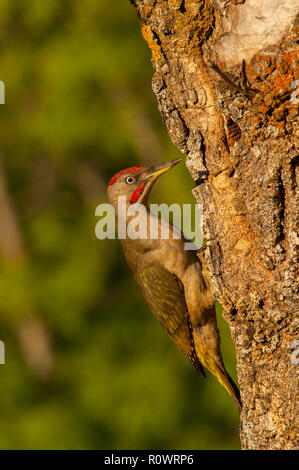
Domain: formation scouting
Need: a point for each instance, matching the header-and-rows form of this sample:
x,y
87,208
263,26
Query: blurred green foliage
x,y
87,365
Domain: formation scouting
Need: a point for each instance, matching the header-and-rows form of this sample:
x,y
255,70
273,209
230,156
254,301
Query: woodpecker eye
x,y
130,180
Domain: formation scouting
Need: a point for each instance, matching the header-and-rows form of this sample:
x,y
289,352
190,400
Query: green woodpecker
x,y
172,279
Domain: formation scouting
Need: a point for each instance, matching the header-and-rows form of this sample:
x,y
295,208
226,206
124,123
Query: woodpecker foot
x,y
202,176
202,248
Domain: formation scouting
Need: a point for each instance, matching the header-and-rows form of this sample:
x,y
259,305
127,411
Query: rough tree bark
x,y
225,79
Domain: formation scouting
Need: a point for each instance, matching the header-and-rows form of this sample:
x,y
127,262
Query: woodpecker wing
x,y
164,293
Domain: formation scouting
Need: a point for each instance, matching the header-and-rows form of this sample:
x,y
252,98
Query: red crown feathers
x,y
133,169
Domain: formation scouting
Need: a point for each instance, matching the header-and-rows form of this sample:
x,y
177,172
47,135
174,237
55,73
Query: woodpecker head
x,y
136,182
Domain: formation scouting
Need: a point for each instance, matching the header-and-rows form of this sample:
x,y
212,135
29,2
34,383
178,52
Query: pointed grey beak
x,y
155,171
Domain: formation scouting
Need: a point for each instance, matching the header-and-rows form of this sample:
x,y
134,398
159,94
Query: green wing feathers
x,y
164,294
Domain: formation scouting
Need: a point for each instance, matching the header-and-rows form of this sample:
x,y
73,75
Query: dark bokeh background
x,y
87,364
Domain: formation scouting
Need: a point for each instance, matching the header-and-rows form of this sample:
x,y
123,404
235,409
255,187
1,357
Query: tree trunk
x,y
225,79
